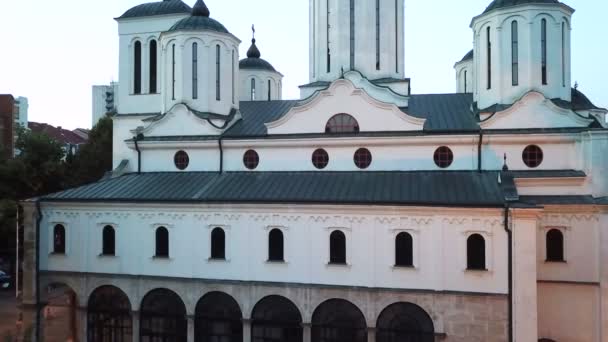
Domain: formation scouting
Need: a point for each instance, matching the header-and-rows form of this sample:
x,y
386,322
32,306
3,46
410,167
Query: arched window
x,y
59,239
465,81
137,68
338,320
109,316
337,248
173,71
217,73
162,242
328,35
404,322
153,67
352,34
404,250
109,241
233,80
218,244
397,36
342,123
253,89
489,57
275,245
476,253
514,53
555,245
194,71
563,54
269,90
543,44
163,317
377,34
274,319
218,318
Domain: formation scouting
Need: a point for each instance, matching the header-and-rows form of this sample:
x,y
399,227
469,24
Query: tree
x,y
93,159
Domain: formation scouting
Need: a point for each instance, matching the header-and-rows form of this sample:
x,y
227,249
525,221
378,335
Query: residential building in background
x,y
360,212
104,101
13,114
71,140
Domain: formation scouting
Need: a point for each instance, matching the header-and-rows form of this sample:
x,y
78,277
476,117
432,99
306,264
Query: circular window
x,y
320,159
181,160
251,159
443,157
363,158
533,156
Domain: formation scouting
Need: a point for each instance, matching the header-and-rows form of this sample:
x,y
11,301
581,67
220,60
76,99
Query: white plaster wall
x,y
581,245
391,54
464,76
122,127
370,239
261,85
568,312
529,26
162,160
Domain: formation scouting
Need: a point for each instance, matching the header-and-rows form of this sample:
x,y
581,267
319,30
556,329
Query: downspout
x,y
38,308
138,153
479,154
221,153
510,270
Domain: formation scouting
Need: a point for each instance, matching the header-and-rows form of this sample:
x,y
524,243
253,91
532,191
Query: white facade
x,y
539,152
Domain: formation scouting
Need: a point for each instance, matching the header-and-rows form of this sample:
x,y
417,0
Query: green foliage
x,y
93,159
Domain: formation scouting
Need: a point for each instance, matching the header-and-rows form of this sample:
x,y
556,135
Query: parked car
x,y
5,280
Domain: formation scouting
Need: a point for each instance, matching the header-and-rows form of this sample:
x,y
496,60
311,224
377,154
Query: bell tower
x,y
360,35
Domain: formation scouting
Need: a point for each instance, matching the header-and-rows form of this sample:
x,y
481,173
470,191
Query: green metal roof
x,y
157,8
496,4
436,188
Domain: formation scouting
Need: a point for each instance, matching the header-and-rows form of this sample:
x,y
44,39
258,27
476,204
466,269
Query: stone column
x,y
524,225
81,324
28,303
603,233
306,332
246,330
190,328
371,334
135,319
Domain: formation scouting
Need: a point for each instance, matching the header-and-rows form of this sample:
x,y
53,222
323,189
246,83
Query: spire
x,y
505,167
200,9
253,51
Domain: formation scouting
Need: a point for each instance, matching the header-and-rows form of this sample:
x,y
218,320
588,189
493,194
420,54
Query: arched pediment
x,y
181,121
533,110
342,96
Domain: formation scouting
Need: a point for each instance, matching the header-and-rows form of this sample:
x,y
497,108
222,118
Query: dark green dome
x,y
253,60
468,56
199,21
157,8
496,4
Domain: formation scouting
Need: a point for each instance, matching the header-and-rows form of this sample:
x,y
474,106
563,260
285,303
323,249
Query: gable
x,y
181,121
535,111
342,97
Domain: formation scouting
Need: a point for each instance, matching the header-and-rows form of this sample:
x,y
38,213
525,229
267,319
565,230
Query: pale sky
x,y
53,51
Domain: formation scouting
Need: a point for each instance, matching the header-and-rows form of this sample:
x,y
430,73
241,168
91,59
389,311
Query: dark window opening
x,y
444,157
173,71
397,36
251,159
342,123
194,71
276,245
563,54
181,160
217,73
514,54
377,34
489,57
109,241
337,248
465,81
405,322
363,158
153,67
218,244
109,316
476,253
352,34
533,156
233,80
163,317
162,242
555,245
269,90
328,34
404,250
543,44
137,68
59,239
276,319
252,89
218,318
320,159
338,320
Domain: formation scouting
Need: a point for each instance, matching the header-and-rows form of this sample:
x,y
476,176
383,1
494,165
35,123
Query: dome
x,y
199,21
157,8
468,56
253,60
496,4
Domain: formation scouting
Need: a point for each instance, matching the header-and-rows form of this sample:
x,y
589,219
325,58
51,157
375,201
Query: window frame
x,y
153,67
52,248
195,70
564,232
212,257
337,122
514,53
269,245
543,52
487,251
187,160
489,57
533,163
156,243
218,73
414,237
103,240
347,244
137,67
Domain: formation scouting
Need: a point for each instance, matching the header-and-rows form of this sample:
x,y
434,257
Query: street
x,y
8,312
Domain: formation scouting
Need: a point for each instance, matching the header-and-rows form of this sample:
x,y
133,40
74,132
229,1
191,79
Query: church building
x,y
360,212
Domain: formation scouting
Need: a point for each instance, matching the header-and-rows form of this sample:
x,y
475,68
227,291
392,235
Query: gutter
x,y
135,140
510,269
38,307
221,147
479,155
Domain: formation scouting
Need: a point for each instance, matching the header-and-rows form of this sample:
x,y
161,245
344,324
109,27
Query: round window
x,y
251,159
363,158
533,156
443,157
181,160
320,159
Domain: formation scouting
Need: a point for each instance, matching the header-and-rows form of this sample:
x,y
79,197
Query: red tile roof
x,y
62,135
